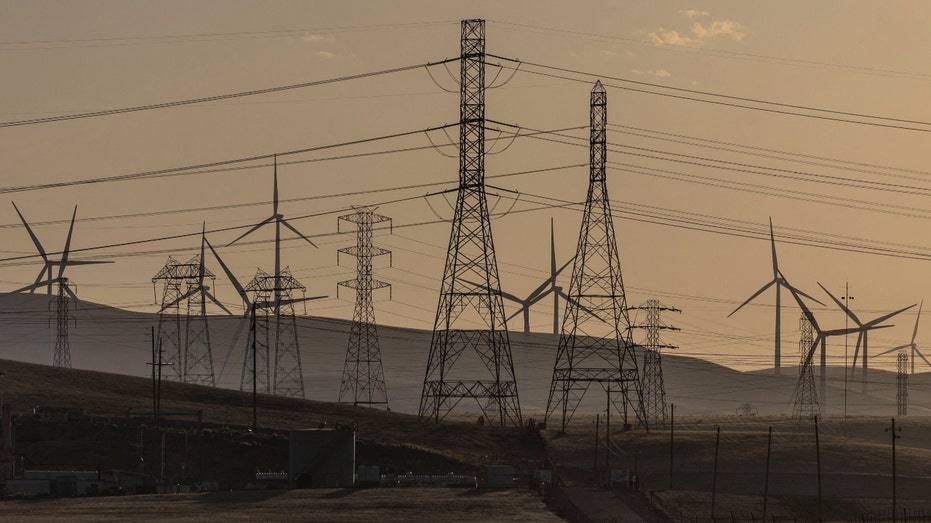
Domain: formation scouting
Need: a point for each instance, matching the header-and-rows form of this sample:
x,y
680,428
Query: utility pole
x,y
597,426
892,432
157,365
608,434
714,478
672,441
847,297
769,447
818,461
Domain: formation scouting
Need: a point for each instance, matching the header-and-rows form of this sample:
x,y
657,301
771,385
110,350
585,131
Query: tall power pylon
x,y
595,344
182,318
901,381
654,389
363,380
805,399
61,357
470,327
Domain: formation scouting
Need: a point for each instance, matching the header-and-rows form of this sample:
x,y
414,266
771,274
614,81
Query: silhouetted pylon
x,y
654,387
363,380
470,351
805,397
595,345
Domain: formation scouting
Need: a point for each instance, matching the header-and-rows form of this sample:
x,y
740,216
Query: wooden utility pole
x,y
769,447
714,479
672,440
597,426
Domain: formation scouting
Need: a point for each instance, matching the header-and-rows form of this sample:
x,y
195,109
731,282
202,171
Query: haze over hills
x,y
118,341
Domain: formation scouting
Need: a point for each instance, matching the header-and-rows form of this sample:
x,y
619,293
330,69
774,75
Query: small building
x,y
322,458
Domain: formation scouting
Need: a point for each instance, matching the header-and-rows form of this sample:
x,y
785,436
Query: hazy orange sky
x,y
672,193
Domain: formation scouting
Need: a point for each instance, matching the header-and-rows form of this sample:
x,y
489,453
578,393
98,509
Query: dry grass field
x,y
407,504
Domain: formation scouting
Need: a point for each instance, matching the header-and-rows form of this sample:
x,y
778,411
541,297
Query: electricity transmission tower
x,y
273,301
595,345
61,357
654,389
805,398
470,327
363,380
182,318
901,381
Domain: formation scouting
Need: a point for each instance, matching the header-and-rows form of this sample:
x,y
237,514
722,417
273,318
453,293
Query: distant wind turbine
x,y
864,329
779,281
912,344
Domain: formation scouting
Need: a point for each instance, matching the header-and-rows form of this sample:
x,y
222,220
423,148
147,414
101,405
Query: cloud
x,y
316,39
658,73
718,28
326,55
692,13
664,37
699,33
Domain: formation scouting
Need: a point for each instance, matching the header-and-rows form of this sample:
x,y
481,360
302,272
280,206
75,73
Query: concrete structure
x,y
322,458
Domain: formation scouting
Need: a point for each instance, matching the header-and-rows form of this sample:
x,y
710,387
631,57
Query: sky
x,y
722,116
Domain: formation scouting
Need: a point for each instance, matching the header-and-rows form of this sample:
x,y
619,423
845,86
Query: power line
x,y
176,103
775,107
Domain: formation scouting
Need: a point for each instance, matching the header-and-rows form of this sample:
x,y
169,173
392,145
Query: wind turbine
x,y
863,329
913,345
547,287
62,354
779,281
279,220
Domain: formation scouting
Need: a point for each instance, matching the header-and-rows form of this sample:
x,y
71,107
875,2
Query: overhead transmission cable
x,y
176,103
718,98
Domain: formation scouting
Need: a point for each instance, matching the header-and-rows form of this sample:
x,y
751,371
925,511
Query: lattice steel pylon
x,y
901,382
182,318
363,381
470,321
61,356
805,397
595,344
654,389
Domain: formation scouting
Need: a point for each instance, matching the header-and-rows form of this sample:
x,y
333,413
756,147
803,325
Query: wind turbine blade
x,y
565,265
252,230
67,250
229,273
813,349
772,240
217,302
893,349
292,301
552,250
32,235
802,293
541,288
37,285
918,352
236,334
81,262
757,293
842,306
536,299
887,316
297,232
915,332
177,300
512,316
579,305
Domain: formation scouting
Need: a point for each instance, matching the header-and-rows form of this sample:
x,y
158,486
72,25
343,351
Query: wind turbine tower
x,y
182,318
363,380
779,281
272,297
470,351
61,357
595,344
